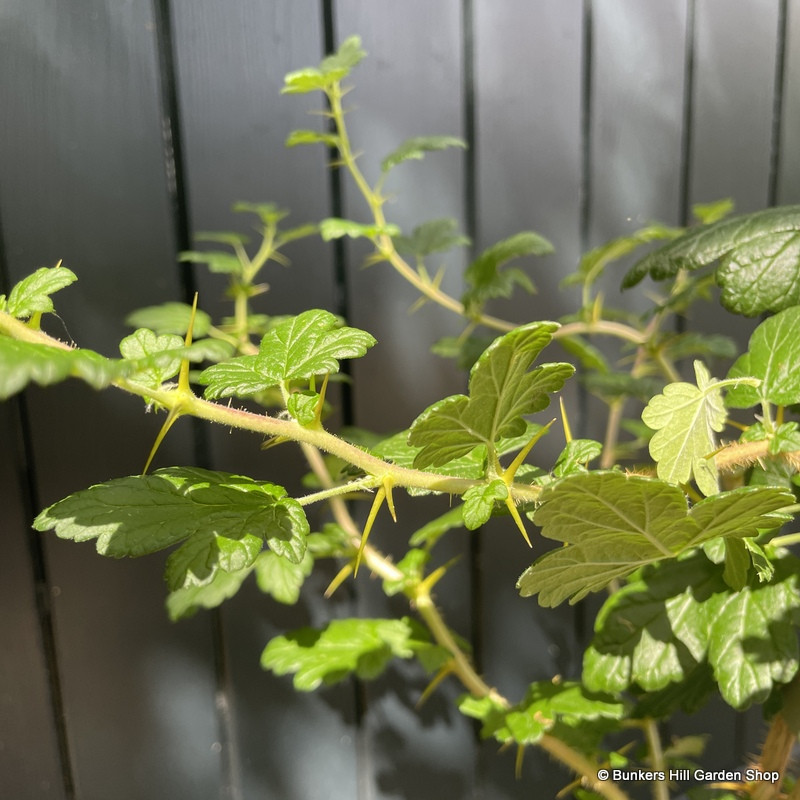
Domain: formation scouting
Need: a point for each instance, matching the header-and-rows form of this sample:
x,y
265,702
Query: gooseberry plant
x,y
689,546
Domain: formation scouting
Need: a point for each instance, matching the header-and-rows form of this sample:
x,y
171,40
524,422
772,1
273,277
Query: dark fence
x,y
129,124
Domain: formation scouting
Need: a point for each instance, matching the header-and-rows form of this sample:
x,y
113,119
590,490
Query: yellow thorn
x,y
387,487
508,475
339,579
565,421
515,514
183,375
446,670
518,761
173,415
434,578
373,512
321,401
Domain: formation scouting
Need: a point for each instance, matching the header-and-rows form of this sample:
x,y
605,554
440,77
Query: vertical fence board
x,y
29,758
83,180
789,162
409,85
736,48
527,101
231,61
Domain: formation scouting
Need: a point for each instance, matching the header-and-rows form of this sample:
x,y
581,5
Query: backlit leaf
x,y
32,294
759,258
417,147
170,318
333,68
343,647
613,524
280,578
773,356
479,502
685,418
484,277
145,513
501,391
435,236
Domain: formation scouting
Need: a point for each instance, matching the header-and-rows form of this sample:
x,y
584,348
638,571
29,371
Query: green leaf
x,y
298,347
280,578
593,264
685,418
652,632
545,704
143,345
479,502
708,213
215,260
231,238
185,602
312,137
416,148
435,236
661,629
146,513
206,551
484,277
501,391
575,456
432,531
170,318
759,259
412,565
303,407
237,377
612,385
699,345
772,356
269,213
737,563
613,524
332,69
32,294
335,228
332,541
752,641
309,344
341,648
761,276
22,363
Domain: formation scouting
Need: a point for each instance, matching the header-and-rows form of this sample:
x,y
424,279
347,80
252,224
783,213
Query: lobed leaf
x,y
545,704
772,356
162,353
297,347
501,391
170,318
434,236
336,228
685,418
224,517
613,524
215,260
281,578
187,601
22,363
416,148
659,632
484,277
32,294
479,503
341,648
759,258
332,69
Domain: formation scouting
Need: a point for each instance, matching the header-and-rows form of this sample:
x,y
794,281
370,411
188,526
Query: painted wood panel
x,y
30,763
231,60
83,179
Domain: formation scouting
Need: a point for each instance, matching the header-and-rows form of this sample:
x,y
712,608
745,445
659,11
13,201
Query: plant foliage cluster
x,y
689,547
